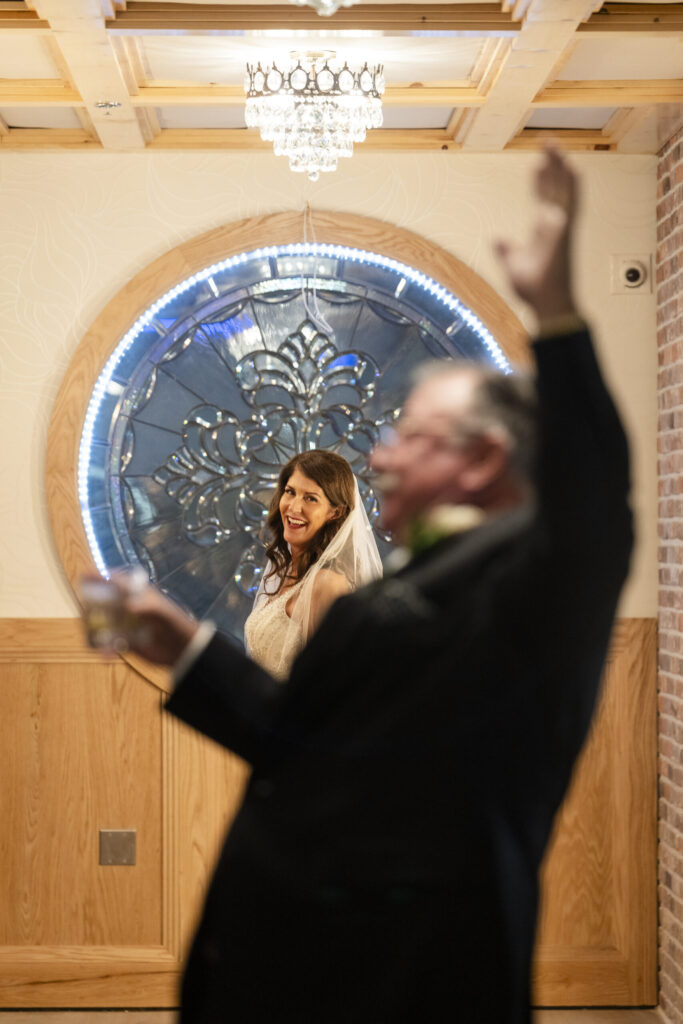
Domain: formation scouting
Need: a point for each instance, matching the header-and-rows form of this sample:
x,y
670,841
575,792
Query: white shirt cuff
x,y
197,645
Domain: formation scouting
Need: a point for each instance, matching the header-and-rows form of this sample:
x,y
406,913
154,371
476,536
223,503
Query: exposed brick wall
x,y
670,345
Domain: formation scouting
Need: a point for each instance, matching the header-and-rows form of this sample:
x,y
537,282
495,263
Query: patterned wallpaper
x,y
76,228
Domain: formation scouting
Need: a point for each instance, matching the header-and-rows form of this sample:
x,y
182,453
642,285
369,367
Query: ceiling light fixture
x,y
325,7
313,110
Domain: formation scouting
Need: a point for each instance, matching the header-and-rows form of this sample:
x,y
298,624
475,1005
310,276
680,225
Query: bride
x,y
322,547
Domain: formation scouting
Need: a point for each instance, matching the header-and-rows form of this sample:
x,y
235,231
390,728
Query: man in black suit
x,y
383,866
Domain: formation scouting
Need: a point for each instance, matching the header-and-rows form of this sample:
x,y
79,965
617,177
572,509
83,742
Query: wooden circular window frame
x,y
176,266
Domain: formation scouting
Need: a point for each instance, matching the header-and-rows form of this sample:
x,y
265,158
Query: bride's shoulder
x,y
330,584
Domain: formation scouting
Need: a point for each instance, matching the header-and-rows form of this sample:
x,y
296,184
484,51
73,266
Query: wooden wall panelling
x,y
87,746
597,937
209,787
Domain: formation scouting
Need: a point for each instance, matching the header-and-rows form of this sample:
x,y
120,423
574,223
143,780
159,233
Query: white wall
x,y
74,228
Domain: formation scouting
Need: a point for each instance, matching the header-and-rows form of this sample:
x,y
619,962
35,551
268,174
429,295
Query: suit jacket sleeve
x,y
229,698
584,528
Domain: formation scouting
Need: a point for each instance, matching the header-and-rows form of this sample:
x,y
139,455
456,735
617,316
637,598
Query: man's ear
x,y
488,461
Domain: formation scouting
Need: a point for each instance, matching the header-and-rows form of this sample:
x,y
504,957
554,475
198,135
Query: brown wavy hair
x,y
333,474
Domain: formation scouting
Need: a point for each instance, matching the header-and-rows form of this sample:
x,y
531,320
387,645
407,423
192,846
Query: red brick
x,y
667,376
669,706
666,311
666,205
669,837
670,441
676,683
668,262
670,353
675,773
670,289
671,397
664,184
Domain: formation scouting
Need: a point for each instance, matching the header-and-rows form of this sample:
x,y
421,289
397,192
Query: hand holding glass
x,y
108,624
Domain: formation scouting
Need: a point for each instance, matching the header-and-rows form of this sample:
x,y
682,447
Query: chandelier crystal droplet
x,y
325,7
314,109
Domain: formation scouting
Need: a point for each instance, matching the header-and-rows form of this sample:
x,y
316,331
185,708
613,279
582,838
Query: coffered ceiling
x,y
473,76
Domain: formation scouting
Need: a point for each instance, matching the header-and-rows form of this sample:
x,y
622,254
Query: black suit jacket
x,y
384,862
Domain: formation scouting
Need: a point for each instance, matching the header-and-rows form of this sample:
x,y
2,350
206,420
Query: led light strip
x,y
296,249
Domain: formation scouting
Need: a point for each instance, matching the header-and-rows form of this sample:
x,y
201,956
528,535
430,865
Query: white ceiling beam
x,y
129,55
67,82
79,32
644,129
610,93
576,139
495,52
44,92
237,139
86,123
477,19
233,95
12,20
549,28
640,18
149,122
379,139
55,92
629,128
38,92
669,122
48,138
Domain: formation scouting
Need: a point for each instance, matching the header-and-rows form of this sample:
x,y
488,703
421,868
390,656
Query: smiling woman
x,y
322,546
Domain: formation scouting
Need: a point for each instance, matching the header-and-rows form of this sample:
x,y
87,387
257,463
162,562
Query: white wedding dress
x,y
273,638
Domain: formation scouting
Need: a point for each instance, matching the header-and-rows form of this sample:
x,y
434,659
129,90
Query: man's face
x,y
423,465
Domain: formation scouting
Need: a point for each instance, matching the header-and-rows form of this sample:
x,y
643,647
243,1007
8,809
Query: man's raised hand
x,y
539,270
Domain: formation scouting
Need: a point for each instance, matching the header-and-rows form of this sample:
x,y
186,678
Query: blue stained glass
x,y
223,379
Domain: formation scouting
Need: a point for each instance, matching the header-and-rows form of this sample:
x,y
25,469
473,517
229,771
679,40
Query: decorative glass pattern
x,y
223,379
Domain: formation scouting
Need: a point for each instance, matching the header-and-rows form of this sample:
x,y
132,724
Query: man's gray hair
x,y
503,402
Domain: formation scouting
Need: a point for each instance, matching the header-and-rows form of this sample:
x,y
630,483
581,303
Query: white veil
x,y
352,553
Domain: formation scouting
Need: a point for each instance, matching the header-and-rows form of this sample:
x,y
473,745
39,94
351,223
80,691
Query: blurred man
x,y
383,866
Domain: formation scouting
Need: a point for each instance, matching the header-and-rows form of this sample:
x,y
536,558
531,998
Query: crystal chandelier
x,y
325,6
313,110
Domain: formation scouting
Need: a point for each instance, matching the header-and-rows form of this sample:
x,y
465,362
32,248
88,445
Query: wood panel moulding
x,y
598,925
86,746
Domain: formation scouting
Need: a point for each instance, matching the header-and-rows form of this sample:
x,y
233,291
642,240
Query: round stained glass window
x,y
223,379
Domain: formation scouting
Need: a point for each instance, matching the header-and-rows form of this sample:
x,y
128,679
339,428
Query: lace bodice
x,y
266,633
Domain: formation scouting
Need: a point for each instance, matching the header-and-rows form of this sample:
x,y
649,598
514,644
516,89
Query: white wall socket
x,y
631,274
